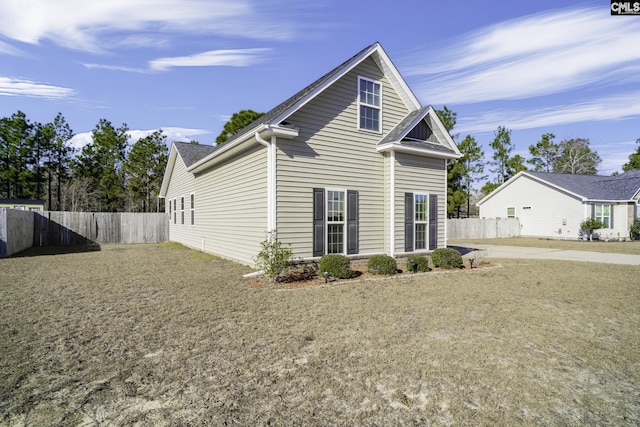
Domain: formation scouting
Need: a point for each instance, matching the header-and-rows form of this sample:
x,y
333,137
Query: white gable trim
x,y
171,161
384,62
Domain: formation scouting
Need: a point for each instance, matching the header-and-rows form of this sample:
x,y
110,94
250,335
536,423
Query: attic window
x,y
369,104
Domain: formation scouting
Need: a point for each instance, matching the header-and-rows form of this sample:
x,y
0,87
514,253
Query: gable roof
x,y
191,153
398,138
273,122
618,188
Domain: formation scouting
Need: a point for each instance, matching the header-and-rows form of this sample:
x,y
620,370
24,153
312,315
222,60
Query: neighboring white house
x,y
553,205
351,164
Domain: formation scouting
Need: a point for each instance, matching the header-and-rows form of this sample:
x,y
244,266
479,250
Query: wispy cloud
x,y
10,86
532,56
178,134
212,58
610,108
89,25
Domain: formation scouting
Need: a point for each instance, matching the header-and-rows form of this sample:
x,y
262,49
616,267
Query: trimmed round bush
x,y
422,263
337,265
447,258
382,264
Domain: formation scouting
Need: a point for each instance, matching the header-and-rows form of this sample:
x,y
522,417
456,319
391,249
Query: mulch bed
x,y
304,279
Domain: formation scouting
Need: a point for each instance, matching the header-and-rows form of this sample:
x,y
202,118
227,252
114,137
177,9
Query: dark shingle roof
x,y
595,187
23,201
191,153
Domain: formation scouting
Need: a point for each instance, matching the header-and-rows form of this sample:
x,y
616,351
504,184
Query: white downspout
x,y
270,180
392,206
446,194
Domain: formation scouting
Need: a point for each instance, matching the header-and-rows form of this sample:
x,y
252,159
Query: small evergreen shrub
x,y
337,265
422,263
590,225
634,231
382,264
447,258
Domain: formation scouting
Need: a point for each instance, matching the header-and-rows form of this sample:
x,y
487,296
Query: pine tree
x,y
144,167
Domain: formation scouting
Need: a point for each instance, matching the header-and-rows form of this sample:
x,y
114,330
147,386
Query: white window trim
x,y
328,223
360,78
181,210
595,209
175,210
192,209
417,194
514,212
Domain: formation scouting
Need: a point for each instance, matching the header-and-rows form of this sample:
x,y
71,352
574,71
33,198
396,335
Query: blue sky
x,y
569,68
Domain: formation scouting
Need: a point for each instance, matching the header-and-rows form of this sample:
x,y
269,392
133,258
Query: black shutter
x,y
610,216
433,221
352,222
408,222
318,221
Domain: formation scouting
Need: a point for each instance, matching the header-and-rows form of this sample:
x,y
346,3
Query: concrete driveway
x,y
547,253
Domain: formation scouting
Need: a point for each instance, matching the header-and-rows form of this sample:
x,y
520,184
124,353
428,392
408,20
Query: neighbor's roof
x,y
23,201
595,187
623,187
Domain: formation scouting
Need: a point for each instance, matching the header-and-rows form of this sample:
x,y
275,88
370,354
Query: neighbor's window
x,y
421,202
193,209
335,221
603,214
369,104
182,210
18,208
511,212
34,209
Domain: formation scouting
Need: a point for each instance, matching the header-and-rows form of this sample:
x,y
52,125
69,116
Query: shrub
x,y
382,264
589,225
337,265
634,231
446,258
422,263
274,259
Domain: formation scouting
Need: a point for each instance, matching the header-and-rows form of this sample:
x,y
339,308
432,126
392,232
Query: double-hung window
x,y
175,213
182,210
421,204
193,208
369,105
335,221
511,212
603,214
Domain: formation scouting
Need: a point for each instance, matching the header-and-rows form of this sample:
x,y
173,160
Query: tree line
x,y
571,156
38,161
110,175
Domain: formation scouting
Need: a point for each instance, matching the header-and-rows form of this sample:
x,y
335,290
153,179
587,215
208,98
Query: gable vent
x,y
421,132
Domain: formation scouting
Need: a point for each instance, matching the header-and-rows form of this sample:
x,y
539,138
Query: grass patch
x,y
155,335
632,248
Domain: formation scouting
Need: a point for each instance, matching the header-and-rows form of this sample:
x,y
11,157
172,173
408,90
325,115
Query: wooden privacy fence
x,y
81,228
19,230
483,228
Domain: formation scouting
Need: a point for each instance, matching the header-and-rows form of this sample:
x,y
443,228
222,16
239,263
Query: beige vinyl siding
x,y
330,152
181,184
415,174
230,206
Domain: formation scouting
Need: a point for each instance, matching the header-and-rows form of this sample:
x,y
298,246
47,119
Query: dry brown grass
x,y
632,248
161,335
